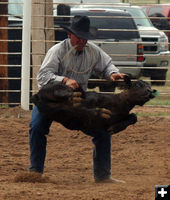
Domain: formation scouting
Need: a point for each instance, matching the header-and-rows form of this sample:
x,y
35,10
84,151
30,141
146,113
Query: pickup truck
x,y
155,42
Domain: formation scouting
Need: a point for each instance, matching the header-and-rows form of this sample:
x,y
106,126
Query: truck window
x,y
112,23
139,16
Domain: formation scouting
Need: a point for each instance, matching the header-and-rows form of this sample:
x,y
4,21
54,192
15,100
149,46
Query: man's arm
x,y
117,76
71,83
49,69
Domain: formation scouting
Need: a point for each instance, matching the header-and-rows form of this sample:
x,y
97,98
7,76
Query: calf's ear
x,y
127,80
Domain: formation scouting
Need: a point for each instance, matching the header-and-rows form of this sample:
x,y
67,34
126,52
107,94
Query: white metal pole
x,y
26,42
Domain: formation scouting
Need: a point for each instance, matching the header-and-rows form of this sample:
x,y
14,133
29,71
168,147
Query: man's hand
x,y
71,83
117,76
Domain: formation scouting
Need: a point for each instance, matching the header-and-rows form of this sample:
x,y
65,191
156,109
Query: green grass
x,y
159,114
3,106
158,102
163,98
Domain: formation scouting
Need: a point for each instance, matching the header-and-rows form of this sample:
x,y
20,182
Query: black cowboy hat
x,y
80,27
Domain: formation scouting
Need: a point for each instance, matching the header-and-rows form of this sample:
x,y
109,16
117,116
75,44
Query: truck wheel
x,y
158,77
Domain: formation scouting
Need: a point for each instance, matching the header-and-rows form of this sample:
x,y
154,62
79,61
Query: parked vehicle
x,y
124,47
162,11
155,44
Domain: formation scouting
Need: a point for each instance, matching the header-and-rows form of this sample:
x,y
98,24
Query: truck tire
x,y
158,77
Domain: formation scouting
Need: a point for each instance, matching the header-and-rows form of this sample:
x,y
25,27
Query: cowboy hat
x,y
80,27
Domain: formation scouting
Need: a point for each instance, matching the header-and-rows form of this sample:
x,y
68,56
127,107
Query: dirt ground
x,y
139,157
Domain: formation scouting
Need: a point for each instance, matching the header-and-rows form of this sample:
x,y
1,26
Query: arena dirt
x,y
139,157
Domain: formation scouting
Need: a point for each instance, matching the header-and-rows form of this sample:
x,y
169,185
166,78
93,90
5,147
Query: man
x,y
72,62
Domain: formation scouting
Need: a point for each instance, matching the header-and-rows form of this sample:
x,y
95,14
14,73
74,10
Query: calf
x,y
92,111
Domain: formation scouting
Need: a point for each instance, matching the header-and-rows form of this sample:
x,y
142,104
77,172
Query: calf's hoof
x,y
76,99
104,113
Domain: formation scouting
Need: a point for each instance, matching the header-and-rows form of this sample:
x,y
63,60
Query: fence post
x,y
26,42
40,48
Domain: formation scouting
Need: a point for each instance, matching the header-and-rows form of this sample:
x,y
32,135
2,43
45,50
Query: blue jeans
x,y
39,128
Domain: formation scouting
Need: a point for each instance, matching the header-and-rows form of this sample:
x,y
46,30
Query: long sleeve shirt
x,y
62,60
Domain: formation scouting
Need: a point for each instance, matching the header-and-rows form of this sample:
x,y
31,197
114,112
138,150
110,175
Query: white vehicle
x,y
155,43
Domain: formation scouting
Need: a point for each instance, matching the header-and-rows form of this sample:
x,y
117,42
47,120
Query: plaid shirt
x,y
62,60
